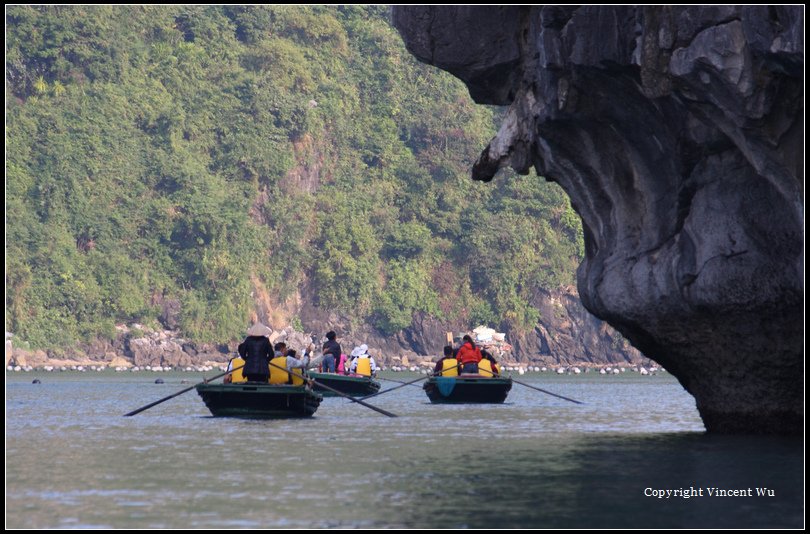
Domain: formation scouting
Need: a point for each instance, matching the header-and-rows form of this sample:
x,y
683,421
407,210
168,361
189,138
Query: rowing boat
x,y
353,385
467,388
259,400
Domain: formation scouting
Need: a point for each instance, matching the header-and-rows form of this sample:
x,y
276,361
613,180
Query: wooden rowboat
x,y
467,389
259,401
356,386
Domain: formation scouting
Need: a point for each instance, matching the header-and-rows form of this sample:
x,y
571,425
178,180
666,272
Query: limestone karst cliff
x,y
678,134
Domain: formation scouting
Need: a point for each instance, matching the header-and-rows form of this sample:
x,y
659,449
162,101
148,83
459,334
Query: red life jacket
x,y
468,353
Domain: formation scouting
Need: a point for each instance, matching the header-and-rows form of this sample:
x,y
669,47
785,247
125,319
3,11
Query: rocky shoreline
x,y
566,336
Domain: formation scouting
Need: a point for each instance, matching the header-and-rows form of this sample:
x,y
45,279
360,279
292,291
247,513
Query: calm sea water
x,y
73,461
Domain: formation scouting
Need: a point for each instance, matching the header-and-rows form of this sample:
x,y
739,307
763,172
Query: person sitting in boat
x,y
280,349
295,363
488,366
364,364
447,365
352,358
468,356
281,367
331,352
257,352
342,366
235,376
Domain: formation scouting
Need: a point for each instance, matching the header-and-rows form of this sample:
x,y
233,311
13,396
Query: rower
x,y
281,365
235,377
488,366
448,365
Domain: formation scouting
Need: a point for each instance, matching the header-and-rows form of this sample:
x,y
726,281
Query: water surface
x,y
73,461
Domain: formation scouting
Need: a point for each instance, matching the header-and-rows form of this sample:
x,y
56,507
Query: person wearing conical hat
x,y
257,352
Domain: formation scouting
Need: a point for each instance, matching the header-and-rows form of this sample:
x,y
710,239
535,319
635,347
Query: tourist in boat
x,y
280,349
364,364
295,363
331,352
342,367
442,368
352,358
468,356
488,366
257,352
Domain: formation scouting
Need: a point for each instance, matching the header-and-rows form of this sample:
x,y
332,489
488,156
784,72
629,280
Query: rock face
x,y
566,334
678,134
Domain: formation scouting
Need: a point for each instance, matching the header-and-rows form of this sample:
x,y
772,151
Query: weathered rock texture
x,y
566,334
678,134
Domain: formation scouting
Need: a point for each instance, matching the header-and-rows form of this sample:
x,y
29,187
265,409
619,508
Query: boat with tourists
x,y
285,394
355,385
467,388
259,400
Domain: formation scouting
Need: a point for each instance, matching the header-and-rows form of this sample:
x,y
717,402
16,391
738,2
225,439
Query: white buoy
x,y
616,371
17,368
521,371
543,369
643,371
602,372
561,371
576,370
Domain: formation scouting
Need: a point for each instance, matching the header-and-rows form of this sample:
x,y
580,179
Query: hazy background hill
x,y
197,168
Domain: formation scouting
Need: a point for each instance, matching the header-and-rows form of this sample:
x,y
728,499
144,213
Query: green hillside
x,y
210,155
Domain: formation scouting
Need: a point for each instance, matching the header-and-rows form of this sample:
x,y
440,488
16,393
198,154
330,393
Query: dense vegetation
x,y
207,154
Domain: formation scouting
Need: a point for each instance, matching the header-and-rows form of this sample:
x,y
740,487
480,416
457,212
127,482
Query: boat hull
x,y
356,386
259,401
467,389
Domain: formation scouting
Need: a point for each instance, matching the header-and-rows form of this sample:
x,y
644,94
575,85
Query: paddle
x,y
205,381
533,387
395,387
333,390
399,382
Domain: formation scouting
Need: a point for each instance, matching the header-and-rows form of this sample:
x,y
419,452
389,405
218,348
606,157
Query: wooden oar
x,y
403,384
205,381
533,387
399,382
333,390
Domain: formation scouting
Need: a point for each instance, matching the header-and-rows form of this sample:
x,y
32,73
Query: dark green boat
x,y
467,389
356,386
259,401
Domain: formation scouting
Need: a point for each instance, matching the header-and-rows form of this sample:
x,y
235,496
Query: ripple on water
x,y
73,461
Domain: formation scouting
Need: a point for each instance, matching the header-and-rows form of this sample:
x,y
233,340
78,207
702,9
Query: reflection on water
x,y
600,481
72,460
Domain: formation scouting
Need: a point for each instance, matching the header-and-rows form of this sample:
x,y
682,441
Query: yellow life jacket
x,y
485,368
236,376
296,377
449,367
279,376
363,366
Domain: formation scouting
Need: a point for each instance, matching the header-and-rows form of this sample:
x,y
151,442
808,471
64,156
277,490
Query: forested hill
x,y
204,165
